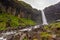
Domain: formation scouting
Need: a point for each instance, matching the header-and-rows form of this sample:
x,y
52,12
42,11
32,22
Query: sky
x,y
41,4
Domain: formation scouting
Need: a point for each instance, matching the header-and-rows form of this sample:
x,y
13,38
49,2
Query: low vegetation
x,y
8,20
52,26
51,30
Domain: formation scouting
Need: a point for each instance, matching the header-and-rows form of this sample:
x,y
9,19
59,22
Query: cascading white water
x,y
44,18
1,38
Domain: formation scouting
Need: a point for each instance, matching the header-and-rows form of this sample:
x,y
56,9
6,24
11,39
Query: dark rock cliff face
x,y
37,16
14,7
20,9
52,12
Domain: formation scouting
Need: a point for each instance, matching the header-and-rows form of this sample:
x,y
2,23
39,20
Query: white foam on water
x,y
37,26
2,38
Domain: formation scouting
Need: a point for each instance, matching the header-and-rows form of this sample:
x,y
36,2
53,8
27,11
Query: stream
x,y
15,32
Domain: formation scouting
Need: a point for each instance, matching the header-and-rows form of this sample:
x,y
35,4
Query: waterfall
x,y
44,18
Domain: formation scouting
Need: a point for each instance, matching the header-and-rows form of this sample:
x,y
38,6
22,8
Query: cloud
x,y
41,4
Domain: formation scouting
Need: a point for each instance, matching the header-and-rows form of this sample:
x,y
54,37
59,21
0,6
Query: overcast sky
x,y
41,4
